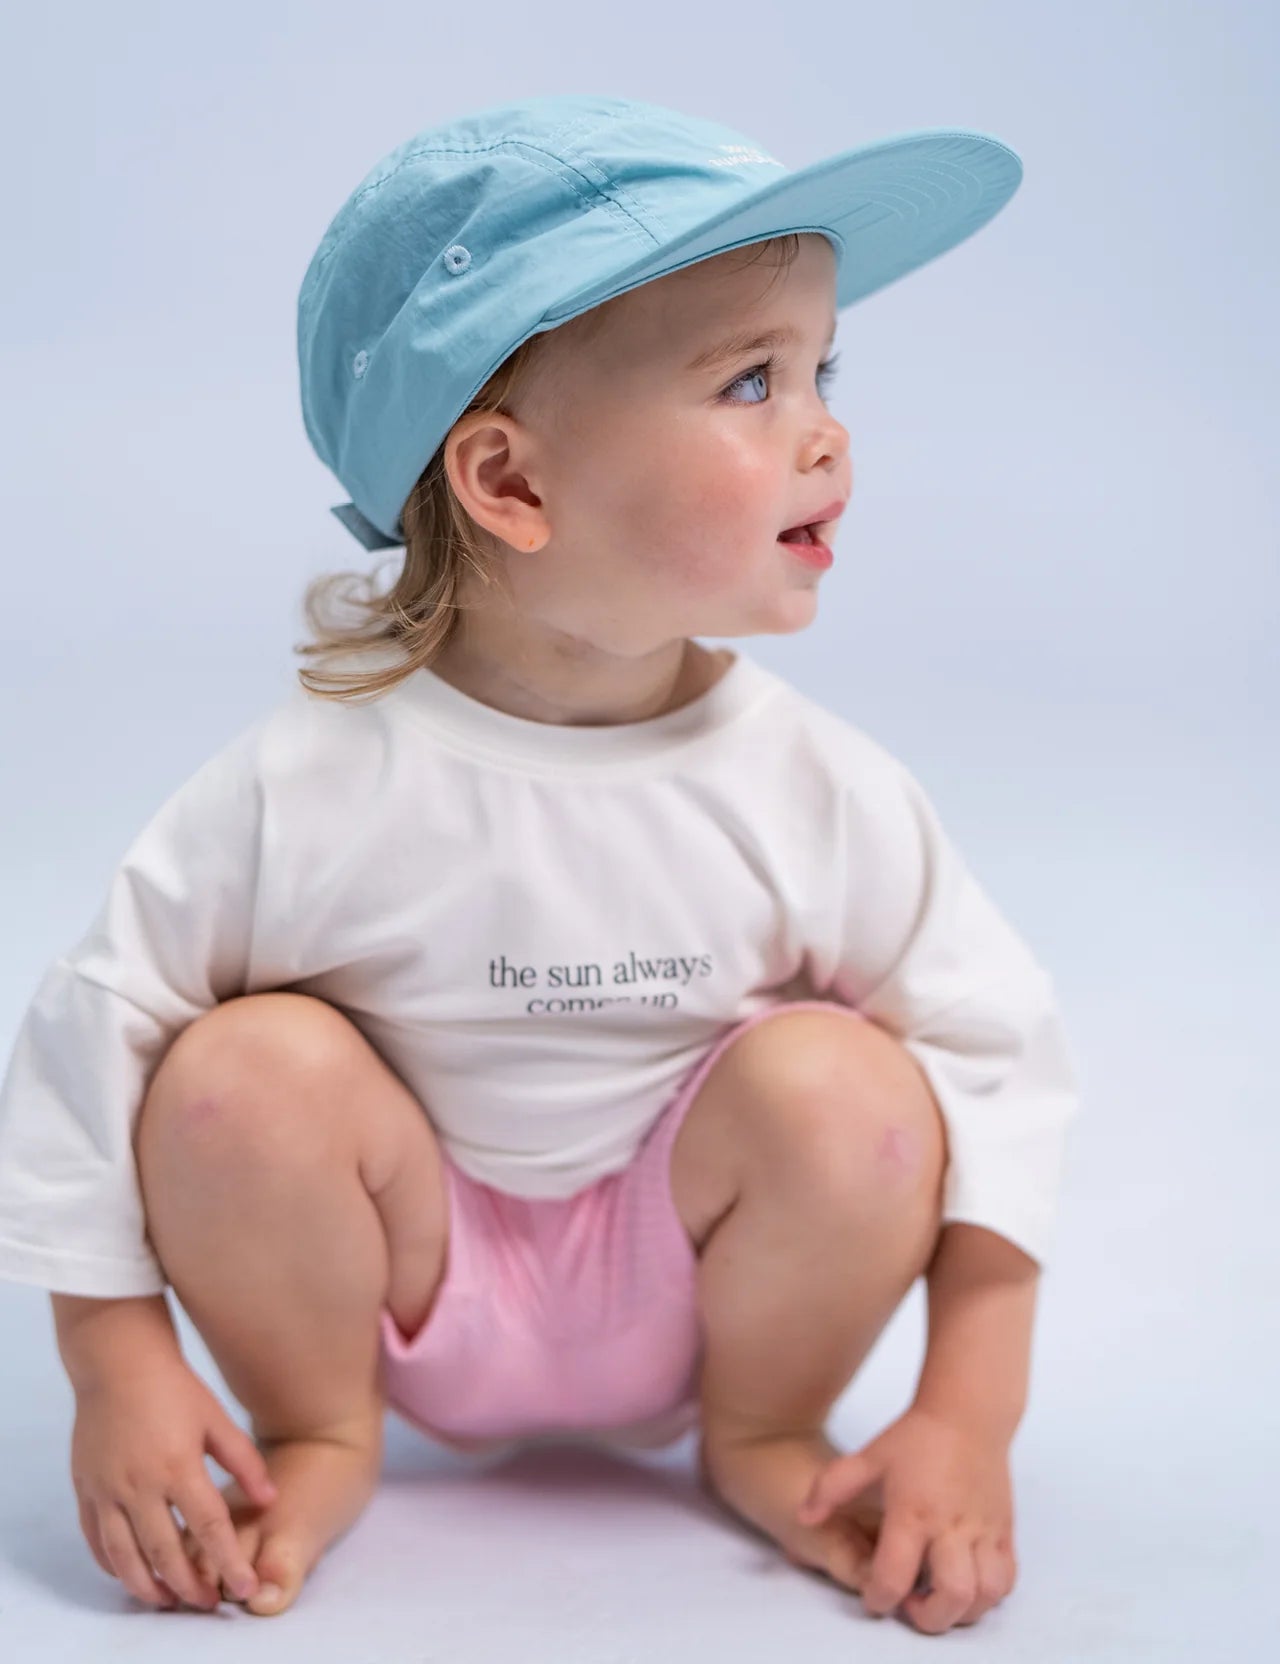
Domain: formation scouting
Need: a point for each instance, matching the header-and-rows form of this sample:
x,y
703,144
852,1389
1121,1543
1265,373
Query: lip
x,y
830,511
826,517
813,554
819,553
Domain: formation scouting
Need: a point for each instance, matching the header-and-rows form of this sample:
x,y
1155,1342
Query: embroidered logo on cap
x,y
737,154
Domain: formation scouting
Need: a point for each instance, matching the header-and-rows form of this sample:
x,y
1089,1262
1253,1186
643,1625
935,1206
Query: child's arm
x,y
175,934
982,1297
97,1337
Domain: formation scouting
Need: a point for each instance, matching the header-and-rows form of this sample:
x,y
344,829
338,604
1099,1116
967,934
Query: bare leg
x,y
842,1152
292,1186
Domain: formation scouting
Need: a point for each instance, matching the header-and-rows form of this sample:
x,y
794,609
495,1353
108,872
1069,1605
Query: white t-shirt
x,y
541,929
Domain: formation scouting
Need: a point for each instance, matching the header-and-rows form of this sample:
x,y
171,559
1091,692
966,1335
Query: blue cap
x,y
470,237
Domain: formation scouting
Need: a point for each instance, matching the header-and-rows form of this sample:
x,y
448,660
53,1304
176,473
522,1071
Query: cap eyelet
x,y
360,363
457,258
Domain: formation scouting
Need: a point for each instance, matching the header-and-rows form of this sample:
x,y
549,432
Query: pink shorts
x,y
564,1317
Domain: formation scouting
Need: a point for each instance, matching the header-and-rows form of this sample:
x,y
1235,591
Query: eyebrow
x,y
743,341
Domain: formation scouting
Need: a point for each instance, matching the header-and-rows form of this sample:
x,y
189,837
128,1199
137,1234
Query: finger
x,y
838,1482
235,1450
89,1525
993,1580
895,1565
954,1584
126,1561
208,1518
157,1532
200,1560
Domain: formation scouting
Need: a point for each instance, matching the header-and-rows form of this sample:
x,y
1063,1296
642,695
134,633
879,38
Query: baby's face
x,y
665,485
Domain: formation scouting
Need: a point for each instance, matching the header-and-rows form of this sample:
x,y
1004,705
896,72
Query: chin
x,y
797,610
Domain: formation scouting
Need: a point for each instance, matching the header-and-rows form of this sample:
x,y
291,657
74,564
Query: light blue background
x,y
1054,597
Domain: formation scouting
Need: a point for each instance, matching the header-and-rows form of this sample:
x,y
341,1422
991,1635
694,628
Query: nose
x,y
827,442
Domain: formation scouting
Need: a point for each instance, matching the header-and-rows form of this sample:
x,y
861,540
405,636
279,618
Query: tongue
x,y
797,534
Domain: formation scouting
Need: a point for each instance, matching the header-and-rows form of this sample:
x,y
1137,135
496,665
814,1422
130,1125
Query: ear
x,y
489,457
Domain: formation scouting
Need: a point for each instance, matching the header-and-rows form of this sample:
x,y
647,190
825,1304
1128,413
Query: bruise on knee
x,y
897,1147
899,1151
909,1154
200,1109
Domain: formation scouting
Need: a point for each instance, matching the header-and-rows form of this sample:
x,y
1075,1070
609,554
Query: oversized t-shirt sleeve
x,y
925,953
171,939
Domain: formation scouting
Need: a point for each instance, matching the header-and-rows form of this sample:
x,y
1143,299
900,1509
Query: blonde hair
x,y
420,612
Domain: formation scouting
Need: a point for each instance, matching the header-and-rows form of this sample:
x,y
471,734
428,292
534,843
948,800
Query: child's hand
x,y
948,1512
140,1436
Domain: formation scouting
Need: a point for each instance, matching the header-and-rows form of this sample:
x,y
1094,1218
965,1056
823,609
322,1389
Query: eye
x,y
825,375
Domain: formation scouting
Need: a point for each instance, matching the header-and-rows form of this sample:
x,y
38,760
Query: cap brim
x,y
887,207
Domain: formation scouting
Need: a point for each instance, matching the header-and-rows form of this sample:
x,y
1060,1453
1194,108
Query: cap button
x,y
457,258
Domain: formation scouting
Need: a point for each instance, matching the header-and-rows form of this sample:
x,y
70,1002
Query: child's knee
x,y
210,1088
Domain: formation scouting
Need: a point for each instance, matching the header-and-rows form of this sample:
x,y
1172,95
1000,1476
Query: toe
x,y
280,1577
845,1557
268,1602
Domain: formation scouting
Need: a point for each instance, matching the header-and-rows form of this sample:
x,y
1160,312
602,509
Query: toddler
x,y
540,1023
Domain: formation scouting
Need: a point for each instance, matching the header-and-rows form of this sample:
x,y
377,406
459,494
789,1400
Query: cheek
x,y
705,506
695,551
685,506
723,472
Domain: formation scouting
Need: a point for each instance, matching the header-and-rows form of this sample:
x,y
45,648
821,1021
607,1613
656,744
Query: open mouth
x,y
797,534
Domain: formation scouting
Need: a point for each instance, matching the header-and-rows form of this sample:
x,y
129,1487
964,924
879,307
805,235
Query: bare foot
x,y
323,1486
763,1482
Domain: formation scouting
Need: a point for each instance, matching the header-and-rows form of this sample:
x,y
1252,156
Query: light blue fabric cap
x,y
470,237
